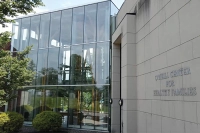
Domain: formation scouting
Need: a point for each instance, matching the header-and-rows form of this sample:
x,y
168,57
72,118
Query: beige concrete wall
x,y
125,42
167,38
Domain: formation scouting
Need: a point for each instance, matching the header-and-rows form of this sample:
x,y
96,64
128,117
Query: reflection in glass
x,y
89,64
16,30
87,107
66,27
42,67
114,12
72,80
77,27
34,35
33,63
103,15
44,30
102,107
90,23
27,104
52,70
54,39
24,38
75,116
39,100
76,65
64,65
102,63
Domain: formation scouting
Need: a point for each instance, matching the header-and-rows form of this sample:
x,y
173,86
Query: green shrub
x,y
47,121
15,122
3,119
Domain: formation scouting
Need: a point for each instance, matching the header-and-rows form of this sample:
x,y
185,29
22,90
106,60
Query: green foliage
x,y
14,71
47,121
3,119
12,8
4,39
11,121
87,100
28,108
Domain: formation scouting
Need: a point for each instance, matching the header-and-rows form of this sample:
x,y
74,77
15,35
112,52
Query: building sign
x,y
191,91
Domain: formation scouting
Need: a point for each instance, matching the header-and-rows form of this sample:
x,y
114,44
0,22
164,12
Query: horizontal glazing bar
x,y
63,85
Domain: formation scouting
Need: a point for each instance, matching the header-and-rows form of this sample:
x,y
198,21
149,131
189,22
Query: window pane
x,y
53,66
34,35
66,27
114,12
103,26
76,65
102,106
90,23
26,103
44,30
54,40
33,62
102,63
42,67
25,31
89,64
77,29
64,65
16,31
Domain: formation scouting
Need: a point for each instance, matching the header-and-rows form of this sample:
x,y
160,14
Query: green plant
x,y
13,123
47,121
3,119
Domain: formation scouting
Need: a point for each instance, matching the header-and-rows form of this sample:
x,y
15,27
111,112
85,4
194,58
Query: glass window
x,y
102,106
90,23
53,66
16,30
25,105
54,40
33,62
64,65
76,65
25,31
89,64
66,27
114,12
34,35
42,67
44,30
39,105
102,63
103,26
77,28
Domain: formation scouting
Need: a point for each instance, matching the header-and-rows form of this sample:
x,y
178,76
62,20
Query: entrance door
x,y
81,107
74,113
88,107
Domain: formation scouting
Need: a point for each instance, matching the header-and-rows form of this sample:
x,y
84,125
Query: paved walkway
x,y
28,129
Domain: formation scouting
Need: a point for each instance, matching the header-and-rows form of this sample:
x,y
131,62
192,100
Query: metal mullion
x,y
20,29
37,60
96,58
69,90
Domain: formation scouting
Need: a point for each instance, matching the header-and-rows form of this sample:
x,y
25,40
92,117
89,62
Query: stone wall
x,y
168,66
160,67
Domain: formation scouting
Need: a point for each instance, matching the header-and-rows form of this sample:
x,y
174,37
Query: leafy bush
x,y
13,123
3,119
47,121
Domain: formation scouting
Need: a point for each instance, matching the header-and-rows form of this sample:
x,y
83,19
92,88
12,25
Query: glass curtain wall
x,y
71,59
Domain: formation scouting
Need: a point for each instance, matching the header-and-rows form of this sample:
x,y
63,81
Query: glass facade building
x,y
71,59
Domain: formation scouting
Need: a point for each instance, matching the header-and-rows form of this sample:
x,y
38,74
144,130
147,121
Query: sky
x,y
59,4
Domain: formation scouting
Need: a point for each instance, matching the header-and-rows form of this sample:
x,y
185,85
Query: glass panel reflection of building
x,y
71,59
